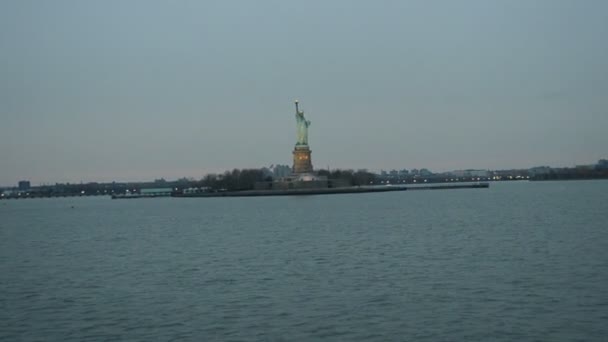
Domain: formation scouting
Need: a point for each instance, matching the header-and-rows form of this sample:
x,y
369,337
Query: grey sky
x,y
137,90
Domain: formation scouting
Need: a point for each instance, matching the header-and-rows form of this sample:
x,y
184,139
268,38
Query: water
x,y
519,261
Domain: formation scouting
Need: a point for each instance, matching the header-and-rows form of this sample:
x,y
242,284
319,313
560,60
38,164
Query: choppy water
x,y
516,262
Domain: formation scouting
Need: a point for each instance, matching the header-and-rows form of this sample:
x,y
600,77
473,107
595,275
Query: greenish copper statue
x,y
302,127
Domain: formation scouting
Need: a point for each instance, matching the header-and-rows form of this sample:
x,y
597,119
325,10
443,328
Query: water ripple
x,y
520,261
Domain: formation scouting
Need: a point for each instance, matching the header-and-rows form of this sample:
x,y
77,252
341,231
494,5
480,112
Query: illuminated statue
x,y
302,127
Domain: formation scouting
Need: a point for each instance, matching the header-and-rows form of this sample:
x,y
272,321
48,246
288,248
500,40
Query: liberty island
x,y
305,181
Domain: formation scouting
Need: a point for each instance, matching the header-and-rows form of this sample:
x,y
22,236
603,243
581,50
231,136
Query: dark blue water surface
x,y
525,261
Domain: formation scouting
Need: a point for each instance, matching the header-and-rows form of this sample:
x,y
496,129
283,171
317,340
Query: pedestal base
x,y
301,160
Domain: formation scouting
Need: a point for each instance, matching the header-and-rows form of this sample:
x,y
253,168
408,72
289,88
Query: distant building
x,y
602,164
479,173
281,171
539,170
457,173
470,173
24,185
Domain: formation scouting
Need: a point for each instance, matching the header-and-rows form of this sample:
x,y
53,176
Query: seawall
x,y
329,191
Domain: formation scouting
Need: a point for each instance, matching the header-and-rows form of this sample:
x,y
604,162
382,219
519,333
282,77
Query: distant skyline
x,y
139,90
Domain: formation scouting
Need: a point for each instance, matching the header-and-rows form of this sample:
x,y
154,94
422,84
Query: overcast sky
x,y
137,90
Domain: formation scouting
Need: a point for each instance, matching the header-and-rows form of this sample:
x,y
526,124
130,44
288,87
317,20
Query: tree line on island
x,y
245,179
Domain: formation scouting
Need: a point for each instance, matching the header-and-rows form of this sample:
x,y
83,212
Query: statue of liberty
x,y
302,127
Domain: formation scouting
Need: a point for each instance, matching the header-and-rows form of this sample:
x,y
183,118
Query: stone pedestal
x,y
301,159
